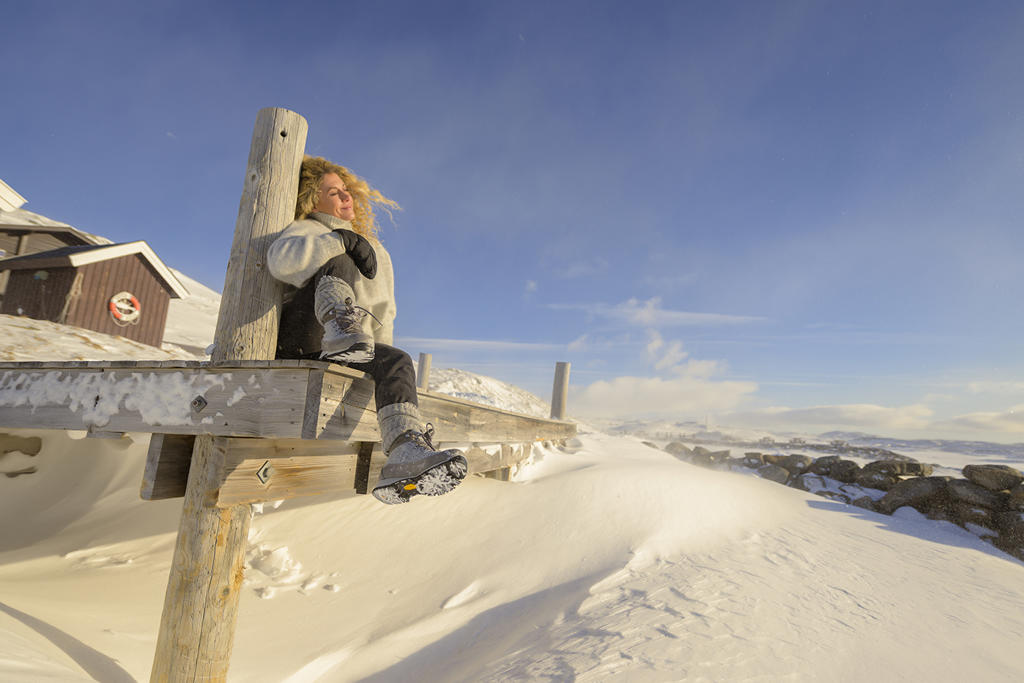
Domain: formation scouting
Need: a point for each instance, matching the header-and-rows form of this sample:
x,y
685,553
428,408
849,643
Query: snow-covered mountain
x,y
604,559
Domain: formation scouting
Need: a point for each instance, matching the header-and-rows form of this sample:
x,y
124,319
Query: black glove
x,y
361,252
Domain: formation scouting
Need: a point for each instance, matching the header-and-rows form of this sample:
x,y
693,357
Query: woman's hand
x,y
361,252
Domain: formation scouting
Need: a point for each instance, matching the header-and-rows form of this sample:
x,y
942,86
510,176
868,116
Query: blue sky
x,y
788,215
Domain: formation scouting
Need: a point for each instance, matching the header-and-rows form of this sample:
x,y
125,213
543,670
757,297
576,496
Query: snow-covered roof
x,y
20,219
9,199
81,255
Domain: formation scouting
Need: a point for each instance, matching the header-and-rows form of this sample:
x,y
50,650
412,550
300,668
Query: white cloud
x,y
848,416
1010,421
578,344
989,387
467,344
690,393
649,313
531,285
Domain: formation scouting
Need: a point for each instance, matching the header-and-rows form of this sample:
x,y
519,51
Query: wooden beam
x,y
560,391
167,464
201,605
423,372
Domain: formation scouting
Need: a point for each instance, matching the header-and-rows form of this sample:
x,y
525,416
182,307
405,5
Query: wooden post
x,y
560,391
201,605
423,372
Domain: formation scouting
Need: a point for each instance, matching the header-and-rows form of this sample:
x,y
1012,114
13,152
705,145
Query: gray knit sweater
x,y
307,244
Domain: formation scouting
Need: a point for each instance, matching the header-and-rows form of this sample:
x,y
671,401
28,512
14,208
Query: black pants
x,y
300,333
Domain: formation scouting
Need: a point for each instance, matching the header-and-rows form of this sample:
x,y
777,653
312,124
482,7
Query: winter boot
x,y
413,465
344,340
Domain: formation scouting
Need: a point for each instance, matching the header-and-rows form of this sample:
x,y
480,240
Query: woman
x,y
340,306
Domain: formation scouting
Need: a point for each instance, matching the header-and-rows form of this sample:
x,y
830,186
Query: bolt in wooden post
x,y
560,392
423,372
197,627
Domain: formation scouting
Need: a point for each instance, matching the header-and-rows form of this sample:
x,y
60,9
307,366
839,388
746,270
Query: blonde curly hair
x,y
363,196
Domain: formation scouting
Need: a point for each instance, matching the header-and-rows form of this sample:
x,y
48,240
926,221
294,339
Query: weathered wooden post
x,y
423,372
201,605
560,392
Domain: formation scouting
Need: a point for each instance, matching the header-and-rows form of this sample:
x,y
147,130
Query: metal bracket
x,y
198,403
264,473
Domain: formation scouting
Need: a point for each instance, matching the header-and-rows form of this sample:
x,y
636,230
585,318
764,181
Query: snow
x,y
604,559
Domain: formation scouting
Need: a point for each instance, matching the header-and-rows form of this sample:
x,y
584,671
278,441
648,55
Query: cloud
x,y
470,344
989,387
650,314
578,344
531,285
848,416
690,393
664,357
1010,421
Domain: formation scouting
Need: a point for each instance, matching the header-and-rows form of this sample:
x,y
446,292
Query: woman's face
x,y
334,198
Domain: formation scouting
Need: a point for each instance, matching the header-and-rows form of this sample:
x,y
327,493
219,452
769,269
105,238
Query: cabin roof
x,y
80,255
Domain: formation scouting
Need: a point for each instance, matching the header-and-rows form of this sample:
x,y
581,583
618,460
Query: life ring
x,y
125,308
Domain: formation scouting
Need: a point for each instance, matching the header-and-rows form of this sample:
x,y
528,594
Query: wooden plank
x,y
167,466
260,470
345,411
238,402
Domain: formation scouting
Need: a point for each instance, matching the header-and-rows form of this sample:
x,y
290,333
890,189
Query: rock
x,y
774,473
865,502
845,471
796,463
882,481
823,465
679,450
968,492
921,493
917,469
753,460
700,450
994,477
1011,527
650,444
773,459
1016,500
963,514
812,483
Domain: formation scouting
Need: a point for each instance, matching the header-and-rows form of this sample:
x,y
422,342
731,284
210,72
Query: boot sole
x,y
360,353
436,481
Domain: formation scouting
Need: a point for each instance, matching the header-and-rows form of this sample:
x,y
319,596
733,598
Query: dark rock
x,y
650,444
1011,526
968,492
679,450
753,460
883,481
891,467
823,465
994,477
774,473
677,447
796,463
921,493
1016,500
917,469
846,471
773,459
703,459
812,483
963,513
865,502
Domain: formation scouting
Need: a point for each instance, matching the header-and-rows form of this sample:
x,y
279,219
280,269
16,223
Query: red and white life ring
x,y
125,308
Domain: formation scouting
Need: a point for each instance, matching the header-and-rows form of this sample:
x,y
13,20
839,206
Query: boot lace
x,y
351,315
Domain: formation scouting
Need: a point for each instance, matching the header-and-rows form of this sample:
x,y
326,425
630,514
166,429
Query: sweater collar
x,y
332,222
